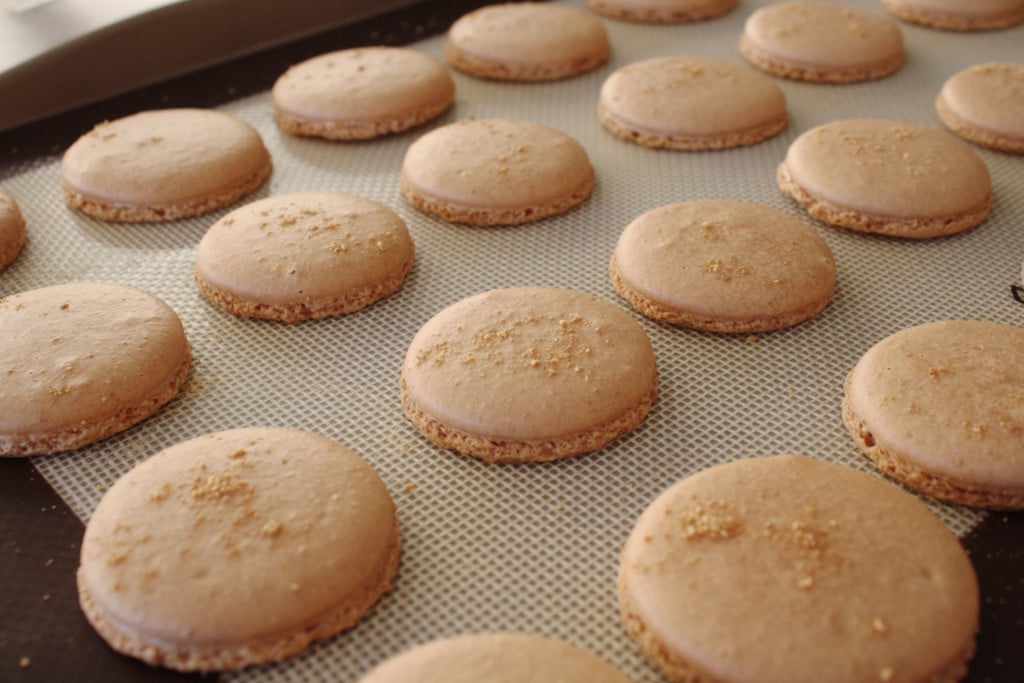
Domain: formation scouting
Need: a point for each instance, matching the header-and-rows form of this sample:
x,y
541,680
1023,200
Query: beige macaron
x,y
662,11
788,569
12,229
361,93
827,42
691,103
87,360
723,266
237,548
940,407
959,15
887,177
985,104
526,41
164,164
495,658
528,374
496,172
303,255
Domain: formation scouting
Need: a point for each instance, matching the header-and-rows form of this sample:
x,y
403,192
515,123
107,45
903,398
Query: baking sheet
x,y
535,547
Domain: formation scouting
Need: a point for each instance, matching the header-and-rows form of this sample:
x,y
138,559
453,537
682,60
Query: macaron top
x,y
495,658
787,569
236,537
889,169
164,157
692,95
82,352
948,397
984,11
529,363
12,228
990,96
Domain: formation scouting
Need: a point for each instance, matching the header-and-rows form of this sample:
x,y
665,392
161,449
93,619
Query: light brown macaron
x,y
237,548
361,93
662,11
528,374
723,266
12,229
495,658
939,407
303,255
826,42
985,104
84,361
162,165
526,41
959,15
691,103
788,569
496,172
887,177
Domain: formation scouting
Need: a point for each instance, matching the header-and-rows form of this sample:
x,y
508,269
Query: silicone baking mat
x,y
535,547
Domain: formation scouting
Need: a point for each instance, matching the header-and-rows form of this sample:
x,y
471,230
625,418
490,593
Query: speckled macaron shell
x,y
304,255
527,374
822,41
495,658
81,362
887,177
162,165
723,266
362,93
496,172
985,104
691,103
237,548
959,15
12,229
788,569
526,41
662,11
940,407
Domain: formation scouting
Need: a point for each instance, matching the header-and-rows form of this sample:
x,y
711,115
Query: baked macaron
x,y
662,11
827,42
958,15
303,255
12,229
361,93
496,172
237,548
162,165
887,177
723,266
940,407
691,103
495,658
526,41
84,361
985,104
528,374
788,569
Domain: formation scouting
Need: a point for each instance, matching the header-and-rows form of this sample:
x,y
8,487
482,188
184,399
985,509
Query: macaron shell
x,y
958,15
985,104
777,569
662,11
12,229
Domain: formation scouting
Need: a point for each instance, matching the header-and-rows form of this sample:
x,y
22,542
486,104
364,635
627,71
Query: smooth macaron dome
x,y
12,229
822,41
662,11
985,104
691,103
304,255
237,548
788,569
84,361
958,15
723,266
939,407
525,41
888,177
362,93
528,373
